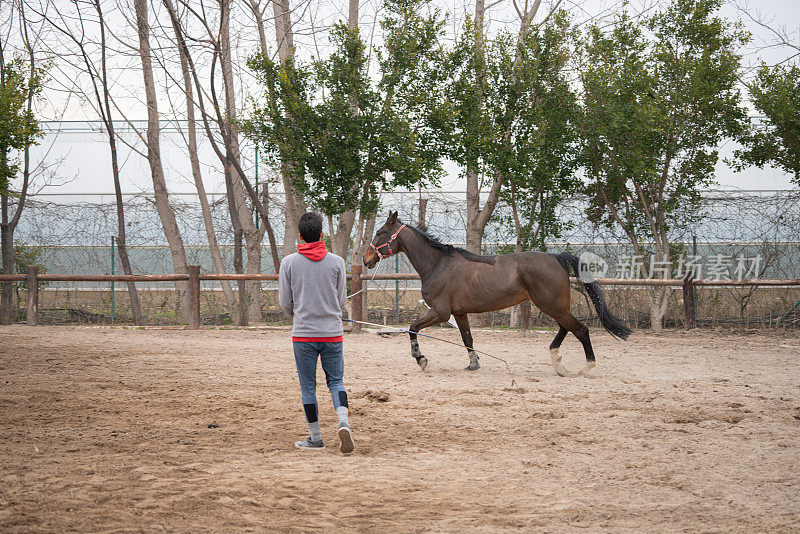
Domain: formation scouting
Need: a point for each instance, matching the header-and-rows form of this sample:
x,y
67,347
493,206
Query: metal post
x,y
113,301
194,297
397,291
33,295
355,287
785,315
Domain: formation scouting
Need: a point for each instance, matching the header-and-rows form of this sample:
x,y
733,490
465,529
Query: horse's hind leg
x,y
466,336
554,301
429,319
554,357
567,321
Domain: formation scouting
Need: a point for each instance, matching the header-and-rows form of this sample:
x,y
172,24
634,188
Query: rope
x,y
508,367
365,285
402,330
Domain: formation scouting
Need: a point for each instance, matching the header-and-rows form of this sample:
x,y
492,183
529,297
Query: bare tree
x,y
253,235
239,188
771,33
165,211
100,90
295,204
194,160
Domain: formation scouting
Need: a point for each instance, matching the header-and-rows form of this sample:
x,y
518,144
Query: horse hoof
x,y
473,367
423,362
557,365
585,372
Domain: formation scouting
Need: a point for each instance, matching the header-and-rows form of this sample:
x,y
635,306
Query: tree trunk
x,y
295,208
258,14
284,34
165,212
238,266
224,123
344,229
253,239
6,312
659,301
238,262
480,11
659,296
423,211
364,236
216,256
7,226
295,203
122,246
474,228
478,217
521,313
253,236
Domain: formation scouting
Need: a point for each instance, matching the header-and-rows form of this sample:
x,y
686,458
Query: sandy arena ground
x,y
107,429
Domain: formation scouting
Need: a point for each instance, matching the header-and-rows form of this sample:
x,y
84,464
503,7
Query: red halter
x,y
394,236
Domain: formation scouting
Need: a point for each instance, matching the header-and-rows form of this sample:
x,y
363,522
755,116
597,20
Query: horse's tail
x,y
611,323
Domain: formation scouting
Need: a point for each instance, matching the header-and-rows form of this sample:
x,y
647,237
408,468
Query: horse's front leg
x,y
429,319
466,336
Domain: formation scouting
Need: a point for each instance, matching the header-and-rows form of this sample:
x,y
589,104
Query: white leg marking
x,y
557,365
585,371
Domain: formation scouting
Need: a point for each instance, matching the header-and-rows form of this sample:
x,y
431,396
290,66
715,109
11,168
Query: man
x,y
312,290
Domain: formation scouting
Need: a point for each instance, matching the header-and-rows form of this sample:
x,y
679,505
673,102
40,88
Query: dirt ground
x,y
107,429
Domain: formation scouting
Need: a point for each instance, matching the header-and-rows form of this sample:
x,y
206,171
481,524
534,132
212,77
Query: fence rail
x,y
357,278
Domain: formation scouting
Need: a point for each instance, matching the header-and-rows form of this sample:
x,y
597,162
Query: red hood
x,y
313,251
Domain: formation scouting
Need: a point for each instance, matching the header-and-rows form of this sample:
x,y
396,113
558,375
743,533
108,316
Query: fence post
x,y
688,301
241,286
194,297
355,287
525,314
33,295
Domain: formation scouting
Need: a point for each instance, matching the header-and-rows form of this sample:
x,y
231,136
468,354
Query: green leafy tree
x,y
540,113
20,84
775,93
655,111
472,134
511,123
343,136
18,125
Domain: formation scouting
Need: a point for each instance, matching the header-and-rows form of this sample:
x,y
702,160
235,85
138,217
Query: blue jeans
x,y
305,356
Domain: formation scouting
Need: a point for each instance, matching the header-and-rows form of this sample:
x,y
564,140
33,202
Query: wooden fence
x,y
194,277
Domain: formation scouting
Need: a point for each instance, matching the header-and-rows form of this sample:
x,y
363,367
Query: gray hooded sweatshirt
x,y
313,293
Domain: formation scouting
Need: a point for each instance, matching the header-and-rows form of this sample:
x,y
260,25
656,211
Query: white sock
x,y
342,413
316,434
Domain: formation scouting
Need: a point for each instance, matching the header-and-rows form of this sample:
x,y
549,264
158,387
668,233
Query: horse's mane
x,y
422,231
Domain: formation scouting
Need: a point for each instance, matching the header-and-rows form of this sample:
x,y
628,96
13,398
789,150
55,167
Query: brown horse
x,y
458,282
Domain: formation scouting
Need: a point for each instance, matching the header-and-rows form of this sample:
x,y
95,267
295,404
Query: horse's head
x,y
385,243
